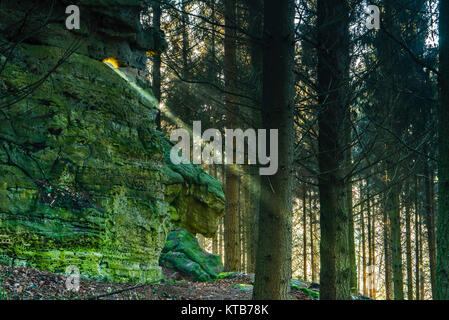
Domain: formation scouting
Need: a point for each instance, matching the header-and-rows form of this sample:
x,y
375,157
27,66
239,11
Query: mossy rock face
x,y
183,253
80,185
197,198
83,177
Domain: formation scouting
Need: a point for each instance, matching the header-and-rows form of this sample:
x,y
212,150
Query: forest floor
x,y
18,283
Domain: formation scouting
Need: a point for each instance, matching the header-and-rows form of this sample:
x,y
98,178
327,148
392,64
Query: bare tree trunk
x,y
430,225
231,220
255,29
363,250
247,219
417,260
304,230
333,64
157,12
392,178
421,262
348,206
351,240
241,226
370,243
215,239
396,246
388,280
273,264
312,234
185,39
442,269
220,239
373,253
253,218
408,239
359,267
215,244
373,250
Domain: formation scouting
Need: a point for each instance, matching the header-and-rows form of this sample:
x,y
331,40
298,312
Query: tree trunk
x,y
348,208
333,63
185,56
373,249
359,267
442,269
421,262
396,246
220,240
247,220
241,225
417,275
430,226
312,240
215,239
185,39
215,244
389,98
255,29
408,239
273,264
304,231
362,227
351,241
387,252
370,245
157,12
253,218
231,220
221,226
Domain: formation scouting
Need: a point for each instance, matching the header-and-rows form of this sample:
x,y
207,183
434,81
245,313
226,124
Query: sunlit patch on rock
x,y
112,62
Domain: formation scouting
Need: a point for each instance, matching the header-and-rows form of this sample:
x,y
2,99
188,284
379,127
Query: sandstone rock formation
x,y
85,179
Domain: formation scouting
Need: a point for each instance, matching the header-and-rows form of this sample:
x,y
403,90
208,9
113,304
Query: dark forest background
x,y
361,199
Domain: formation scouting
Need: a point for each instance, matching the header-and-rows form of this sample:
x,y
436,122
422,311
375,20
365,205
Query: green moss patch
x,y
183,253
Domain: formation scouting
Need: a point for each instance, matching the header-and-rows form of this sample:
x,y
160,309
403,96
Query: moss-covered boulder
x,y
83,176
183,253
80,183
196,199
